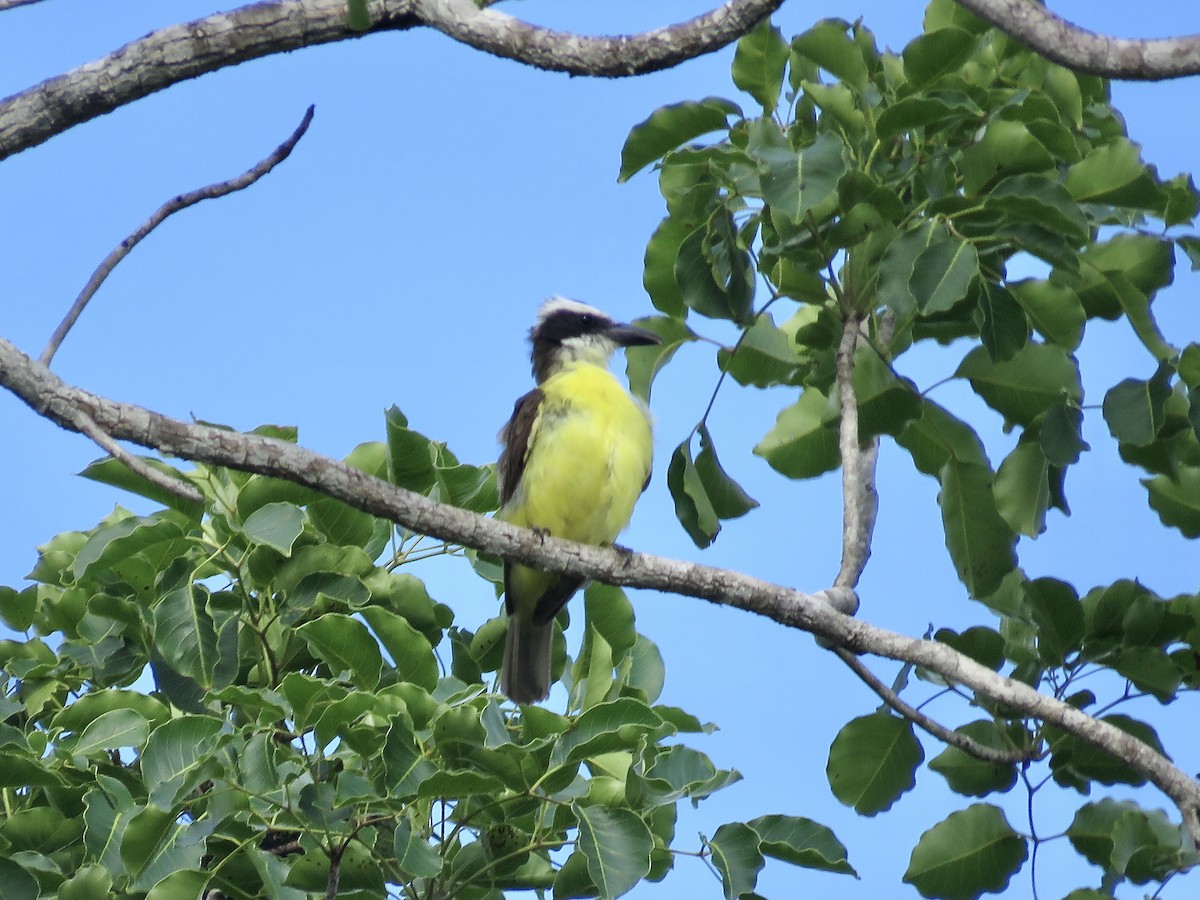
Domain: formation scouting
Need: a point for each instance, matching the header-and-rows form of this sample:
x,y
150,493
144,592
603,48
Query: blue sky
x,y
398,257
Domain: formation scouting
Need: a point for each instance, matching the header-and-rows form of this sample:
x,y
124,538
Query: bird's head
x,y
569,331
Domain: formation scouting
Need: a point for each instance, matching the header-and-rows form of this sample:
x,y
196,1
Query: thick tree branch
x,y
174,205
563,51
860,501
1085,51
815,613
184,51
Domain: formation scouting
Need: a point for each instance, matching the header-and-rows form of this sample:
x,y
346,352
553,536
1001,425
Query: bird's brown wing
x,y
515,437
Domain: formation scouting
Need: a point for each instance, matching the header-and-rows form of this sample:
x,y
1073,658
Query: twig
x,y
963,742
88,426
174,205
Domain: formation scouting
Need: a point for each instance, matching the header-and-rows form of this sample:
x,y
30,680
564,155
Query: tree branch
x,y
561,51
174,205
1085,51
963,742
49,396
860,502
179,52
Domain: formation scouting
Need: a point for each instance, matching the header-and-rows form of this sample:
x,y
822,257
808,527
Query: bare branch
x,y
561,51
12,4
859,499
174,205
963,742
179,52
48,395
1085,51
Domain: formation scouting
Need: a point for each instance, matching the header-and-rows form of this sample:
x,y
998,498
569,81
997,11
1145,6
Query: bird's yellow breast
x,y
588,458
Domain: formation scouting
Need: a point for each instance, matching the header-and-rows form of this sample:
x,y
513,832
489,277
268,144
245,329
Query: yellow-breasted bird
x,y
576,457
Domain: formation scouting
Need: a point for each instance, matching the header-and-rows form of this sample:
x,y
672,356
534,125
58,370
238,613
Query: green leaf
x,y
804,440
1059,617
802,842
970,852
1004,328
410,651
111,730
1135,410
972,777
1006,148
1074,762
413,853
277,525
604,728
827,44
941,274
1025,386
735,853
182,884
982,644
1150,670
897,266
1121,274
1061,434
699,287
658,274
1177,500
1110,173
642,364
609,611
178,756
88,883
1042,200
795,181
617,846
937,437
405,766
937,53
763,357
873,760
980,542
185,633
923,110
728,499
1022,487
886,403
116,474
693,508
16,882
758,64
670,126
345,645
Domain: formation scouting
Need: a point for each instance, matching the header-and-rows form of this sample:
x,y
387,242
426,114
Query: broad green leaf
x,y
182,884
160,534
972,777
837,104
276,525
1003,326
1121,274
1135,409
1177,500
671,126
937,53
886,403
801,842
937,437
405,767
1061,434
764,356
923,110
410,651
1025,386
693,508
1006,148
728,499
111,730
108,808
980,542
77,715
413,854
609,611
345,645
941,274
647,673
185,633
604,728
177,756
758,64
1110,173
1022,487
1091,831
116,474
795,181
698,286
16,882
88,883
1150,670
642,364
1039,199
982,644
804,440
734,850
827,44
873,760
1136,307
897,266
658,274
1183,201
968,853
1059,618
1074,762
617,846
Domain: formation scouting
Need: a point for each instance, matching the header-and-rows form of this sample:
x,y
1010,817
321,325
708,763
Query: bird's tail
x,y
525,675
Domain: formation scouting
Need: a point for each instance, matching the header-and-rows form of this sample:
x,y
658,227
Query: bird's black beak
x,y
632,336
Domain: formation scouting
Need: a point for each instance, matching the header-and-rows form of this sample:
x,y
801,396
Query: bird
x,y
575,457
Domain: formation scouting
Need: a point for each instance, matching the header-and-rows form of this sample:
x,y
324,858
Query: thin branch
x,y
52,398
562,51
13,4
963,742
174,205
187,50
1085,51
